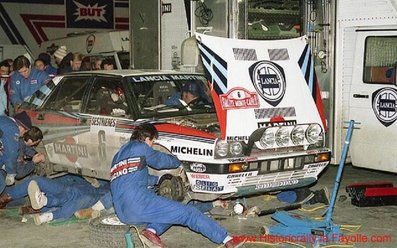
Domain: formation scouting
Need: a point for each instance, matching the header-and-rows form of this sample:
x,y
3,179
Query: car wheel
x,y
109,231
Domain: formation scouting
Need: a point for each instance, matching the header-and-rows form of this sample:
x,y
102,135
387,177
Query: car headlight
x,y
282,136
236,148
222,148
298,135
268,138
314,133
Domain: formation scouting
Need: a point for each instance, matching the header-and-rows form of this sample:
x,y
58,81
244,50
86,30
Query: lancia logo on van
x,y
268,79
384,104
89,43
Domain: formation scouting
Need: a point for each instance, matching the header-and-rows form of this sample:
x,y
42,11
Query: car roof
x,y
126,73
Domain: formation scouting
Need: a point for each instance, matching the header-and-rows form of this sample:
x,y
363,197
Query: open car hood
x,y
256,84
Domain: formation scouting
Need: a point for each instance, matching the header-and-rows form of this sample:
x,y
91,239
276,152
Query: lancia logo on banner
x,y
384,104
268,79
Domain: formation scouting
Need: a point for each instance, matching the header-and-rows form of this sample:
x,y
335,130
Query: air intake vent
x,y
244,54
278,54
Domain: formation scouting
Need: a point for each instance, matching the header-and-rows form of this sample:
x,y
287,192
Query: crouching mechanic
x,y
134,203
11,129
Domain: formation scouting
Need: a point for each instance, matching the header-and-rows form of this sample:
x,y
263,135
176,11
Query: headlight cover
x,y
222,148
314,133
236,148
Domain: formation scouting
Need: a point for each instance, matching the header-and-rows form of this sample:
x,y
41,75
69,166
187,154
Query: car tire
x,y
108,231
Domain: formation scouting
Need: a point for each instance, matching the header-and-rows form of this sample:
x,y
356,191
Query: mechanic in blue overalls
x,y
134,203
11,129
57,198
25,81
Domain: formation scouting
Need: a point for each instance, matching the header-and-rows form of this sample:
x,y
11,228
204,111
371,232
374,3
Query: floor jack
x,y
301,228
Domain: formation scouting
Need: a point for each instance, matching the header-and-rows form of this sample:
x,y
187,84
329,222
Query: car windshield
x,y
171,93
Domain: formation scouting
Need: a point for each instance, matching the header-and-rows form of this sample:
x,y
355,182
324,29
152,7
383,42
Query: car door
x,y
108,122
373,100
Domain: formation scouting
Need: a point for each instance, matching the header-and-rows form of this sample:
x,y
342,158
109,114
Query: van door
x,y
373,100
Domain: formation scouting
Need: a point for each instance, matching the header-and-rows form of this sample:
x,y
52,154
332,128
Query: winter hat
x,y
23,120
60,52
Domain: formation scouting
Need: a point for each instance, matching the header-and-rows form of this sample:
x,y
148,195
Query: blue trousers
x,y
159,213
65,195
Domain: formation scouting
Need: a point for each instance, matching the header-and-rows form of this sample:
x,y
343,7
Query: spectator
x,y
59,55
25,81
39,64
48,68
107,64
11,130
4,72
134,203
72,63
97,65
86,64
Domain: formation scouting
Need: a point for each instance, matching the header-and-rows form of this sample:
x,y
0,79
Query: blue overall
x,y
23,88
65,195
25,165
134,203
9,146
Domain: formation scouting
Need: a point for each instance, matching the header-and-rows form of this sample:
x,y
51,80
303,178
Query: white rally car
x,y
258,129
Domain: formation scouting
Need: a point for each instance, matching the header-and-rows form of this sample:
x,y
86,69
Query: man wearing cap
x,y
11,129
25,81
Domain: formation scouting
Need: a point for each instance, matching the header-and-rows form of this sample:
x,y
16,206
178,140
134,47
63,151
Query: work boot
x,y
235,243
37,198
4,200
320,196
28,210
152,240
87,213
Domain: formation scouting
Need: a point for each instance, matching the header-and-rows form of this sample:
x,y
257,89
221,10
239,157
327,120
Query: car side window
x,y
107,98
69,95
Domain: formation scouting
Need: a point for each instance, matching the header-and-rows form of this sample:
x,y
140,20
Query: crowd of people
x,y
20,77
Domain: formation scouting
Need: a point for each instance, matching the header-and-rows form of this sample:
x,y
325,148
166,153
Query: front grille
x,y
280,164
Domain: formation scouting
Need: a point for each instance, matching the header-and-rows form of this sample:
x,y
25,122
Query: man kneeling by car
x,y
134,203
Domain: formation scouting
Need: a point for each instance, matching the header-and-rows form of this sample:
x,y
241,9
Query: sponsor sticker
x,y
200,176
72,150
208,186
276,184
239,98
269,81
384,105
198,167
89,43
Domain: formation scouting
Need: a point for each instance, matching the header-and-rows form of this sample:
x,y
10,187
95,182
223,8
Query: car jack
x,y
294,227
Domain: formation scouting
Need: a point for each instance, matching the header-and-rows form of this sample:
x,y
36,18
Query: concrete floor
x,y
375,222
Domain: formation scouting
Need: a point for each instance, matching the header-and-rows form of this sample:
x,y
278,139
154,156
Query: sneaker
x,y
87,213
152,240
235,243
37,198
10,179
42,218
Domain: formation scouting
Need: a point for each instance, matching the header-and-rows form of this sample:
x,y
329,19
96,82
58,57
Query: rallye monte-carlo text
x,y
258,128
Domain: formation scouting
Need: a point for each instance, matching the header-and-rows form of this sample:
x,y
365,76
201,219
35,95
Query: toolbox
x,y
372,194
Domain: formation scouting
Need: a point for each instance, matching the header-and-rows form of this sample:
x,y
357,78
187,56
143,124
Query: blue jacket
x,y
23,88
129,172
9,143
